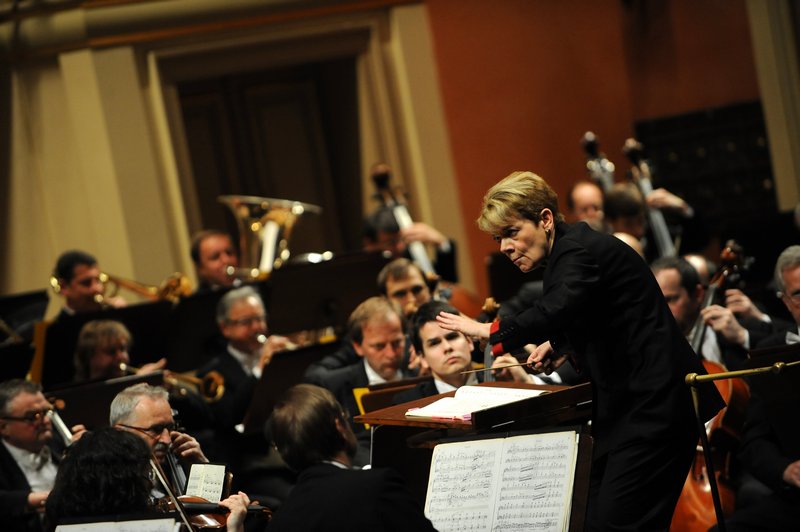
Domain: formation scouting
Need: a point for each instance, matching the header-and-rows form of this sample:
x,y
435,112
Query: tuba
x,y
265,227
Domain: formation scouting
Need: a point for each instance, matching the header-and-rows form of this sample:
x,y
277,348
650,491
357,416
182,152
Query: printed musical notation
x,y
515,484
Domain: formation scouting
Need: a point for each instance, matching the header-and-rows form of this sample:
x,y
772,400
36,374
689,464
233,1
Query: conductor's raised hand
x,y
468,326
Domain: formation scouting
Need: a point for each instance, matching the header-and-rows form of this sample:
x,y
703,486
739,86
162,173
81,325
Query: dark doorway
x,y
288,133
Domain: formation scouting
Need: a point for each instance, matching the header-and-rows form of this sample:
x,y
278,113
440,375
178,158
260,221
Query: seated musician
x,y
101,349
726,341
242,319
312,434
108,473
382,233
78,276
585,204
28,459
764,454
213,252
377,331
145,411
447,354
403,282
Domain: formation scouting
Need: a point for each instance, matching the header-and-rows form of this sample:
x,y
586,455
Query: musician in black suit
x,y
769,450
377,331
447,354
602,307
242,319
212,253
28,456
311,432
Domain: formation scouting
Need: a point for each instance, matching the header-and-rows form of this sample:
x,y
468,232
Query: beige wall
x,y
100,163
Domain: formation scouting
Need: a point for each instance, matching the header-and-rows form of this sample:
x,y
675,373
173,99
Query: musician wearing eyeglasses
x,y
28,458
145,410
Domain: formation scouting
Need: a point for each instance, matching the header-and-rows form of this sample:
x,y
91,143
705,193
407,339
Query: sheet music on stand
x,y
162,524
516,483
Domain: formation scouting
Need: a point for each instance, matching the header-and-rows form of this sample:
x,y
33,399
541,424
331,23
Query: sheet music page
x,y
520,483
535,490
469,399
461,487
206,481
145,525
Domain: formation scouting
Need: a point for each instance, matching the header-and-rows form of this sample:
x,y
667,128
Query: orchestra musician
x,y
447,354
29,454
108,473
585,204
78,279
764,453
381,232
312,433
242,319
213,252
377,333
403,282
145,411
101,349
601,306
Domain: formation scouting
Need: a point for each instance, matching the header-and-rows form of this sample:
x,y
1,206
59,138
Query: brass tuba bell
x,y
265,227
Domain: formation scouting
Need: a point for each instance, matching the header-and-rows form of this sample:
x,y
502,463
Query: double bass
x,y
695,509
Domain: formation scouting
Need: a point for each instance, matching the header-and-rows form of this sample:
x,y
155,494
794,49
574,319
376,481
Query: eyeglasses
x,y
262,318
794,297
154,431
31,417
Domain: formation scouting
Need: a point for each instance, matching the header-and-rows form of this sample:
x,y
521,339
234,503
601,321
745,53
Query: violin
x,y
640,174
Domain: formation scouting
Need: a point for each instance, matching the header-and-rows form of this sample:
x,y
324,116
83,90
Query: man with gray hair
x,y
769,450
144,410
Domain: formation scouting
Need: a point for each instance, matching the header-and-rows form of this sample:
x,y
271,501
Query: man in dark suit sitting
x,y
377,332
27,465
312,434
447,354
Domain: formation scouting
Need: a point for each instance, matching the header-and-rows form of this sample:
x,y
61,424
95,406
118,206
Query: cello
x,y
695,509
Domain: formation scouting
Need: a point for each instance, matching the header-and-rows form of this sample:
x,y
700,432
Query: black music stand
x,y
780,392
193,334
147,323
17,309
284,371
88,402
15,360
309,296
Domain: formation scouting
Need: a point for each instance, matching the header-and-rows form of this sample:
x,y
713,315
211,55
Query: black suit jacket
x,y
602,303
14,490
327,497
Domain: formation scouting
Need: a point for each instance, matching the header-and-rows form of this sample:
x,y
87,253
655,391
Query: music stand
x,y
193,334
15,360
308,296
88,402
284,371
17,309
780,392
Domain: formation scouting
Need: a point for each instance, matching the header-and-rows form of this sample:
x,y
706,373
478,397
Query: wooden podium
x,y
406,444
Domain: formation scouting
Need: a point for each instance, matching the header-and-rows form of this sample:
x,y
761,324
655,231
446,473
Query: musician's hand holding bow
x,y
468,326
187,448
543,359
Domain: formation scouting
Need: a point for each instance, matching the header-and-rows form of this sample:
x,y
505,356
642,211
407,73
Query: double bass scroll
x,y
640,174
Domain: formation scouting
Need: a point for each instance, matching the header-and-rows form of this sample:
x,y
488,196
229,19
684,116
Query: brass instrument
x,y
210,387
171,289
265,227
